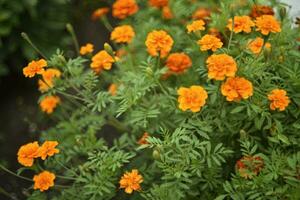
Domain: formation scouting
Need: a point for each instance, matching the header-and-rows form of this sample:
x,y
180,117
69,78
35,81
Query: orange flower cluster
x,y
86,49
48,78
237,88
210,42
279,99
241,23
267,24
102,60
256,45
159,43
221,65
28,152
124,8
167,13
193,98
113,89
34,67
100,12
49,103
249,166
143,139
158,3
131,181
201,13
178,62
197,25
43,181
122,34
259,10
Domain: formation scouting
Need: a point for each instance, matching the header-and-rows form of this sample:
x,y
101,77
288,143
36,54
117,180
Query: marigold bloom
x,y
122,34
221,65
124,8
267,24
167,13
249,166
102,60
192,98
48,149
197,25
48,76
43,181
158,3
100,12
113,89
178,62
159,42
34,67
143,139
241,23
86,49
27,153
49,103
256,45
259,10
210,42
279,99
237,88
201,13
131,181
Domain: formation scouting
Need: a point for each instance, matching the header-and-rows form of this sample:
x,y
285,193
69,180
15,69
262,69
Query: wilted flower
x,y
221,66
43,181
259,10
237,88
279,99
131,181
249,166
159,43
143,139
158,3
210,42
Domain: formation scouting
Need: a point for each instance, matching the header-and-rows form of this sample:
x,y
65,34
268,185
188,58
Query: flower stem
x,y
13,173
26,37
74,38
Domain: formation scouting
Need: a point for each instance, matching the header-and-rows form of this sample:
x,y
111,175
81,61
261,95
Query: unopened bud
x,y
108,49
156,154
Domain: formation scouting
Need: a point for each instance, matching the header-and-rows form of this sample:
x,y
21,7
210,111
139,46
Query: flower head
x,y
259,10
241,23
43,181
256,45
49,103
86,49
100,12
158,3
48,149
34,67
210,42
279,99
113,89
178,62
167,12
197,25
249,166
122,34
237,88
159,42
221,65
267,24
102,60
143,139
48,75
124,8
131,181
192,98
201,13
27,153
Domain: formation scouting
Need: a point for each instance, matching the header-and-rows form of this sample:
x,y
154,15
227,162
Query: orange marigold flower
x,y
48,76
178,62
113,89
256,45
48,149
259,10
221,65
34,67
27,153
279,99
210,42
237,88
249,166
201,13
122,34
86,49
124,8
159,42
167,13
143,139
197,25
241,23
49,103
131,181
266,24
192,98
43,181
100,12
102,60
158,3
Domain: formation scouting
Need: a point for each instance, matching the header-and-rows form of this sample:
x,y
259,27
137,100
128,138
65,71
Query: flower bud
x,y
108,49
282,13
156,154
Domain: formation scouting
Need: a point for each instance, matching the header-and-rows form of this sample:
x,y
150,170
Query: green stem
x,y
231,33
66,177
13,173
26,37
74,38
106,23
